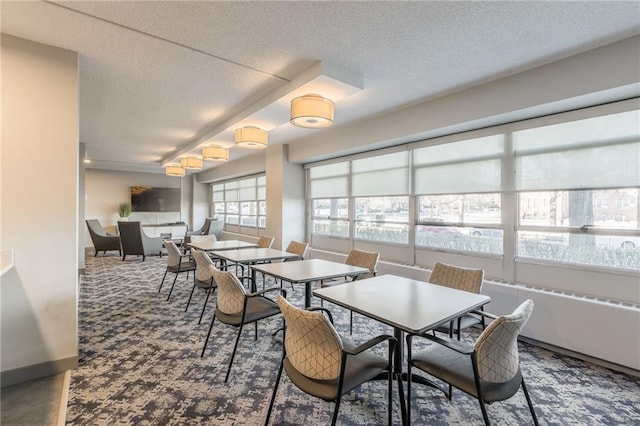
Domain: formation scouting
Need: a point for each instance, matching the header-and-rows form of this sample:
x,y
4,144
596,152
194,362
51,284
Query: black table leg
x,y
307,294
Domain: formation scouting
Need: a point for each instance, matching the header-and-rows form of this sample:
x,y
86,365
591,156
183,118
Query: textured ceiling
x,y
157,77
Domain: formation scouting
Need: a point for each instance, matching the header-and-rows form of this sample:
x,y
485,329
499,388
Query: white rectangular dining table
x,y
407,305
307,271
221,245
252,256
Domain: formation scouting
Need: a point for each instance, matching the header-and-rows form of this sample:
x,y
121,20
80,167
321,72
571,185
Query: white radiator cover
x,y
599,328
596,327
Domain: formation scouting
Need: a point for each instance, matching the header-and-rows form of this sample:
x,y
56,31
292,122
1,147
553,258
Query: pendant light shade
x,y
311,111
251,137
216,153
174,170
193,163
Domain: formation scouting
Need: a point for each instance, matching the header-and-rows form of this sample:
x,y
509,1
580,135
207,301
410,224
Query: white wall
x,y
105,189
39,207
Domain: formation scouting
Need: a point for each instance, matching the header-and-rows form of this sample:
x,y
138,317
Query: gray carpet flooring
x,y
140,364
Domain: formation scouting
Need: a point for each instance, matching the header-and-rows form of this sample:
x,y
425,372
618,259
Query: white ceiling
x,y
158,79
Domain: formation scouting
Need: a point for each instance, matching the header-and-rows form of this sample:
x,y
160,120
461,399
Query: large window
x,y
560,221
561,190
449,215
328,190
241,202
585,227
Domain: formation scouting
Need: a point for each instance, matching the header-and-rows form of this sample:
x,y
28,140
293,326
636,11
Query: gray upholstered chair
x,y
363,259
177,263
465,279
135,242
203,278
102,240
488,370
211,226
319,362
236,307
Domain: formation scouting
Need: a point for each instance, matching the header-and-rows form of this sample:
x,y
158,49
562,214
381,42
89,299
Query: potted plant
x,y
124,210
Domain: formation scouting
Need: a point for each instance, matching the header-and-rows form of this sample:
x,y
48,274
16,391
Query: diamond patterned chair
x,y
237,308
176,264
363,259
465,279
294,247
265,241
319,362
203,277
488,370
202,238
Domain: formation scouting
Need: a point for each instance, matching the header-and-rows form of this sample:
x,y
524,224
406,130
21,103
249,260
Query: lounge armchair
x,y
134,241
102,240
211,226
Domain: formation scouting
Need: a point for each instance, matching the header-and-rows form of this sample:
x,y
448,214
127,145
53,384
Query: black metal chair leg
x,y
335,411
162,282
409,358
273,395
204,305
533,412
484,413
233,354
208,334
351,322
172,285
190,296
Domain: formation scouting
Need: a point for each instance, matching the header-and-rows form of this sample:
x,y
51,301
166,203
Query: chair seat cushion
x,y
257,309
466,321
457,370
359,369
183,267
205,284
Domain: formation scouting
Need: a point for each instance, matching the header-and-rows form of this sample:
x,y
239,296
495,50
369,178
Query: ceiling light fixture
x,y
174,170
251,137
215,152
311,111
191,163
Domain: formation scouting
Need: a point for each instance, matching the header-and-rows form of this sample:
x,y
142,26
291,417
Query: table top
x,y
253,254
303,271
409,305
221,245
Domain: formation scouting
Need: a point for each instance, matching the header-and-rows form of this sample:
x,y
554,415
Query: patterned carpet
x,y
140,364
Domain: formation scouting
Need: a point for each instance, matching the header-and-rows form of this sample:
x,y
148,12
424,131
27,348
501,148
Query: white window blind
x,y
247,189
467,166
329,181
381,175
597,152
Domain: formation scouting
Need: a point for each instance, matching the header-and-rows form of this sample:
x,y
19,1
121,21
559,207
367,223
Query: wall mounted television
x,y
154,199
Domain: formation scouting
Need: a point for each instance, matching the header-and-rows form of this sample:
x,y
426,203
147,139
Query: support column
x,y
285,197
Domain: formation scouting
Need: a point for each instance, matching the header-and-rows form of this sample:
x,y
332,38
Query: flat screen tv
x,y
153,199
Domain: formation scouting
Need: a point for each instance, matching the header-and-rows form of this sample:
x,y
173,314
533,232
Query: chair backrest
x,y
363,259
203,261
312,344
497,347
203,238
455,277
298,248
265,241
95,227
231,292
131,237
173,253
216,226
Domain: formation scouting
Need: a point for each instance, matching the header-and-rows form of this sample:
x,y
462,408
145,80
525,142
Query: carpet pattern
x,y
140,364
